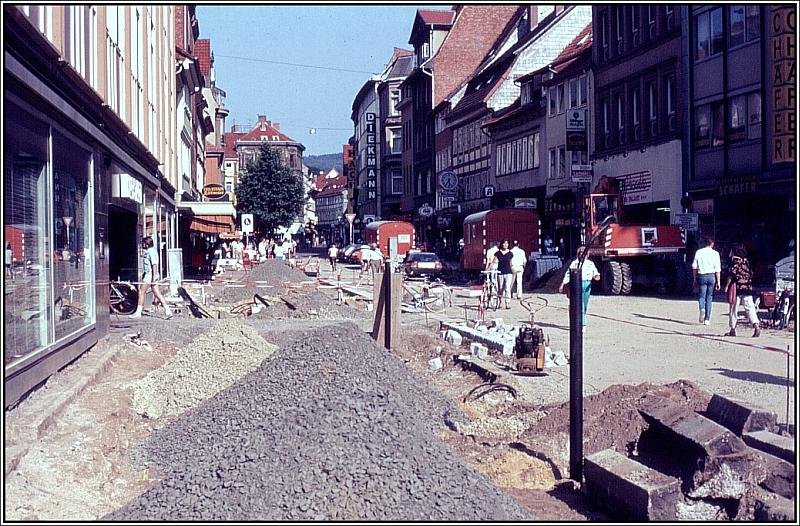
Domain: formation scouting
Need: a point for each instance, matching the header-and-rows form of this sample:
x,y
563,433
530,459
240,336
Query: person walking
x,y
502,258
9,261
333,253
149,278
517,269
740,287
589,273
706,269
376,258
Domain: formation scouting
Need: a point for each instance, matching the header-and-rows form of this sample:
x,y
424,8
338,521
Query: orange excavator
x,y
652,256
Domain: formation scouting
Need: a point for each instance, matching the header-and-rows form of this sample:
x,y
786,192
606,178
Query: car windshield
x,y
423,256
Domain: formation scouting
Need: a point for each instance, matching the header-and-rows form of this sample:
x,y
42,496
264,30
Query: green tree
x,y
270,191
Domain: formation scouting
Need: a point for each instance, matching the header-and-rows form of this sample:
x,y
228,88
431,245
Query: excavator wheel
x,y
612,278
627,278
680,278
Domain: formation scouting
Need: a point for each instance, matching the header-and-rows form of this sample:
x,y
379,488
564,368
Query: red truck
x,y
382,232
484,230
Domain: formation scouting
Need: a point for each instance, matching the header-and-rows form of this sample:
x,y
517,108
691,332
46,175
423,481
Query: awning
x,y
212,224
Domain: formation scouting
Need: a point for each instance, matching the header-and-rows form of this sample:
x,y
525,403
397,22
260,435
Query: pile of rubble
x,y
211,363
331,427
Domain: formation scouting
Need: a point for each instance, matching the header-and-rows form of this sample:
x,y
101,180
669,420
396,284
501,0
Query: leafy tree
x,y
270,191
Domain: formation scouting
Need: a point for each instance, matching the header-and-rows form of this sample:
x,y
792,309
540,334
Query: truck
x,y
483,230
633,254
387,234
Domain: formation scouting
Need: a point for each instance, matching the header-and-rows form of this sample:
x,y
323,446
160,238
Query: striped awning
x,y
213,224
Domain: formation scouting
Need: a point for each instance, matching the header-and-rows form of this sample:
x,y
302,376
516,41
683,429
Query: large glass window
x,y
718,131
736,22
754,116
753,22
27,304
702,133
717,31
738,118
73,287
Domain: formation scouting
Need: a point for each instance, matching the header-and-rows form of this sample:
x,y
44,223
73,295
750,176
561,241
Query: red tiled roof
x,y
202,50
430,16
230,143
474,32
574,49
263,128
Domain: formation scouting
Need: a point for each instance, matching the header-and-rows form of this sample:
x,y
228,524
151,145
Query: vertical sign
x,y
247,223
372,159
783,52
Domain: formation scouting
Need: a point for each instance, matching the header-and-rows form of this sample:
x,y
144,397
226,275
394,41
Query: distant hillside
x,y
324,162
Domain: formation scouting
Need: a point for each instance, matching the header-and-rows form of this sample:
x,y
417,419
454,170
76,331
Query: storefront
x,y
201,225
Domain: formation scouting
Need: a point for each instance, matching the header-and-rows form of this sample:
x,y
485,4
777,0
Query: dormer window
x,y
276,138
264,138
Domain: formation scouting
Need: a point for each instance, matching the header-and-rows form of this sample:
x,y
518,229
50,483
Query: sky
x,y
359,39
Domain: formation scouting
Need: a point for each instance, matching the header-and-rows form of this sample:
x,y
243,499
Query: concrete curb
x,y
45,405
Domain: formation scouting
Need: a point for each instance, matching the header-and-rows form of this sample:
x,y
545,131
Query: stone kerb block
x,y
739,416
724,467
629,488
772,443
781,476
778,509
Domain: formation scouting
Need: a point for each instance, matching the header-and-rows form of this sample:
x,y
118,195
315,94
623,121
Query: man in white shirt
x,y
588,274
517,269
706,268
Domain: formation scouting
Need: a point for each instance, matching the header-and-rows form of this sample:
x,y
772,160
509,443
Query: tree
x,y
270,191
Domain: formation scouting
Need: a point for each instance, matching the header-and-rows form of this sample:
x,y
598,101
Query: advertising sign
x,y
637,188
426,210
576,120
576,130
581,173
688,222
524,202
213,191
372,158
783,51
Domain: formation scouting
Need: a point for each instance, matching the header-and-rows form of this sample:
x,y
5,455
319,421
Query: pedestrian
x,y
502,259
517,269
740,287
589,273
262,249
280,250
150,278
9,260
333,253
376,258
228,251
706,269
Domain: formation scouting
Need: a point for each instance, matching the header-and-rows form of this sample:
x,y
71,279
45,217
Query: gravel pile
x,y
212,362
330,428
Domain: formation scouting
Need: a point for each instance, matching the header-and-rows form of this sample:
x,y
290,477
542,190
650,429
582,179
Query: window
x,y
738,118
652,98
397,182
754,115
736,21
703,44
670,95
635,22
560,98
394,100
579,157
717,34
702,131
620,112
396,138
635,107
753,22
604,35
552,167
535,150
562,161
718,130
552,100
501,169
583,90
573,93
620,28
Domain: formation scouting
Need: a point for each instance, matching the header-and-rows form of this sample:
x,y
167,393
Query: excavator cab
x,y
597,207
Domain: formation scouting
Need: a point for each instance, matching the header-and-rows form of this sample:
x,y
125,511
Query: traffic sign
x,y
350,218
247,223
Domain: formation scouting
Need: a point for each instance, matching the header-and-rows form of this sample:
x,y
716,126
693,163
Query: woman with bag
x,y
740,289
589,273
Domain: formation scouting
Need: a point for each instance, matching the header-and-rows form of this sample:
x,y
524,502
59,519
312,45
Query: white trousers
x,y
516,282
749,306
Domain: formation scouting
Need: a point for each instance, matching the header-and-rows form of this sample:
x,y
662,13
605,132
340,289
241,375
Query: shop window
x,y
754,116
702,130
737,111
28,303
718,130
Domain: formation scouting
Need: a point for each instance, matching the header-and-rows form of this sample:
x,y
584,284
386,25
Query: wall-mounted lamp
x,y
644,149
625,155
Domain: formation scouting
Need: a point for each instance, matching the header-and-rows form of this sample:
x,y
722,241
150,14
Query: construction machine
x,y
652,256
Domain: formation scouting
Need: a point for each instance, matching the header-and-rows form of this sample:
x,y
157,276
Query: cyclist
x,y
150,277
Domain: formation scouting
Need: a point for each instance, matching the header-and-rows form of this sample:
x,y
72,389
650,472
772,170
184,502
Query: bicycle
x,y
432,297
123,299
490,297
70,308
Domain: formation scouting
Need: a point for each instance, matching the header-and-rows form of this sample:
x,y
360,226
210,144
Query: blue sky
x,y
347,37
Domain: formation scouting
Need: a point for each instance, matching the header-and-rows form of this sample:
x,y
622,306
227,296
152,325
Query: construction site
x,y
279,393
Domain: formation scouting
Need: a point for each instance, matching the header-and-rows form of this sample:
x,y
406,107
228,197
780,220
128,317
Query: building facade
x,y
89,169
740,147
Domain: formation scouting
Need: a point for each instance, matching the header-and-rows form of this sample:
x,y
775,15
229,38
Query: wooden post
x,y
379,307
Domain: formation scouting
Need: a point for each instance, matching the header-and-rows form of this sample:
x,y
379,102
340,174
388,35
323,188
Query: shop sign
x,y
637,188
576,120
576,130
426,210
525,202
784,60
488,190
551,207
214,191
372,158
126,186
581,173
689,222
737,185
703,206
443,221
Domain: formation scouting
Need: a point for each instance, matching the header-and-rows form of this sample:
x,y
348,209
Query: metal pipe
x,y
387,283
575,376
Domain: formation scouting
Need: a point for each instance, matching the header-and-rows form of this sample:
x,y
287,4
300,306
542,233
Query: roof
x,y
572,53
332,180
265,129
480,216
202,50
482,87
475,31
436,17
402,67
230,144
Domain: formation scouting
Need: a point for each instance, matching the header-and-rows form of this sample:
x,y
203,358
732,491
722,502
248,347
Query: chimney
x,y
262,119
533,16
277,126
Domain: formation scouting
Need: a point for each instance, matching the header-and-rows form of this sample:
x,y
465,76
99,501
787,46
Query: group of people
x,y
265,249
707,270
509,262
371,258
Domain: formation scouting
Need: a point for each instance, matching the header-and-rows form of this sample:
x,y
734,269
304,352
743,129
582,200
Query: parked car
x,y
419,264
345,252
355,255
